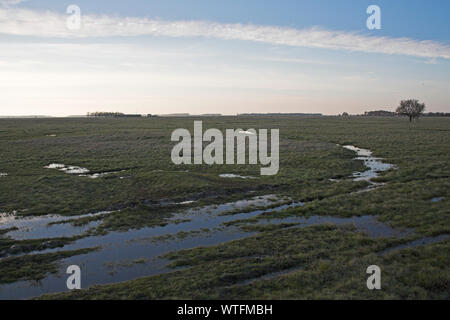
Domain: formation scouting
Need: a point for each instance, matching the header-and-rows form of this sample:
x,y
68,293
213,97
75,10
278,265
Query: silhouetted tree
x,y
105,114
411,108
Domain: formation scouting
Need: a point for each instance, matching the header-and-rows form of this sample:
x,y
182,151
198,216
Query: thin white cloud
x,y
24,22
8,3
299,61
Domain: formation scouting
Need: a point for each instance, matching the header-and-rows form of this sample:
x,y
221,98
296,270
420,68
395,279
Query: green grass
x,y
327,261
324,262
141,147
10,246
34,266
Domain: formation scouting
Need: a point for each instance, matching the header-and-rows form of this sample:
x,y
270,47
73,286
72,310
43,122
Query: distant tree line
x,y
380,113
384,113
437,114
411,108
105,114
117,115
281,114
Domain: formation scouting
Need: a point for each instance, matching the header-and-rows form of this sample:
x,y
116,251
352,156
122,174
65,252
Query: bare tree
x,y
411,108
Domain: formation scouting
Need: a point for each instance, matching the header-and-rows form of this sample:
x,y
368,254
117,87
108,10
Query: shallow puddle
x,y
374,165
186,202
416,243
232,175
100,174
67,168
49,226
82,172
6,218
137,245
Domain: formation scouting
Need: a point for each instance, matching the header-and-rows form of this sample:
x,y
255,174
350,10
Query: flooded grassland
x,y
104,195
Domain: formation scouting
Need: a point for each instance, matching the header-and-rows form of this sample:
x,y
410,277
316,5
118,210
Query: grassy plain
x,y
319,261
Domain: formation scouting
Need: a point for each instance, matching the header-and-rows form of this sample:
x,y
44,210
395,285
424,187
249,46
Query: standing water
x,y
136,253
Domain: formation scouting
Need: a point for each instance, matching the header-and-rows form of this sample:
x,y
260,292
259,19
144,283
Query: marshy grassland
x,y
142,189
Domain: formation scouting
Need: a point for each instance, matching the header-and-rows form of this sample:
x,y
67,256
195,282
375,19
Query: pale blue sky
x,y
222,56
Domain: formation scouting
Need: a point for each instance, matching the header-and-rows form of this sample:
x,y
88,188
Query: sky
x,y
228,57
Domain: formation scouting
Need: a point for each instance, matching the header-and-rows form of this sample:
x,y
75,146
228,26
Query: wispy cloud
x,y
8,3
24,22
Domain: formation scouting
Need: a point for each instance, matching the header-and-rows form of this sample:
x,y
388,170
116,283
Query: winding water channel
x,y
136,253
